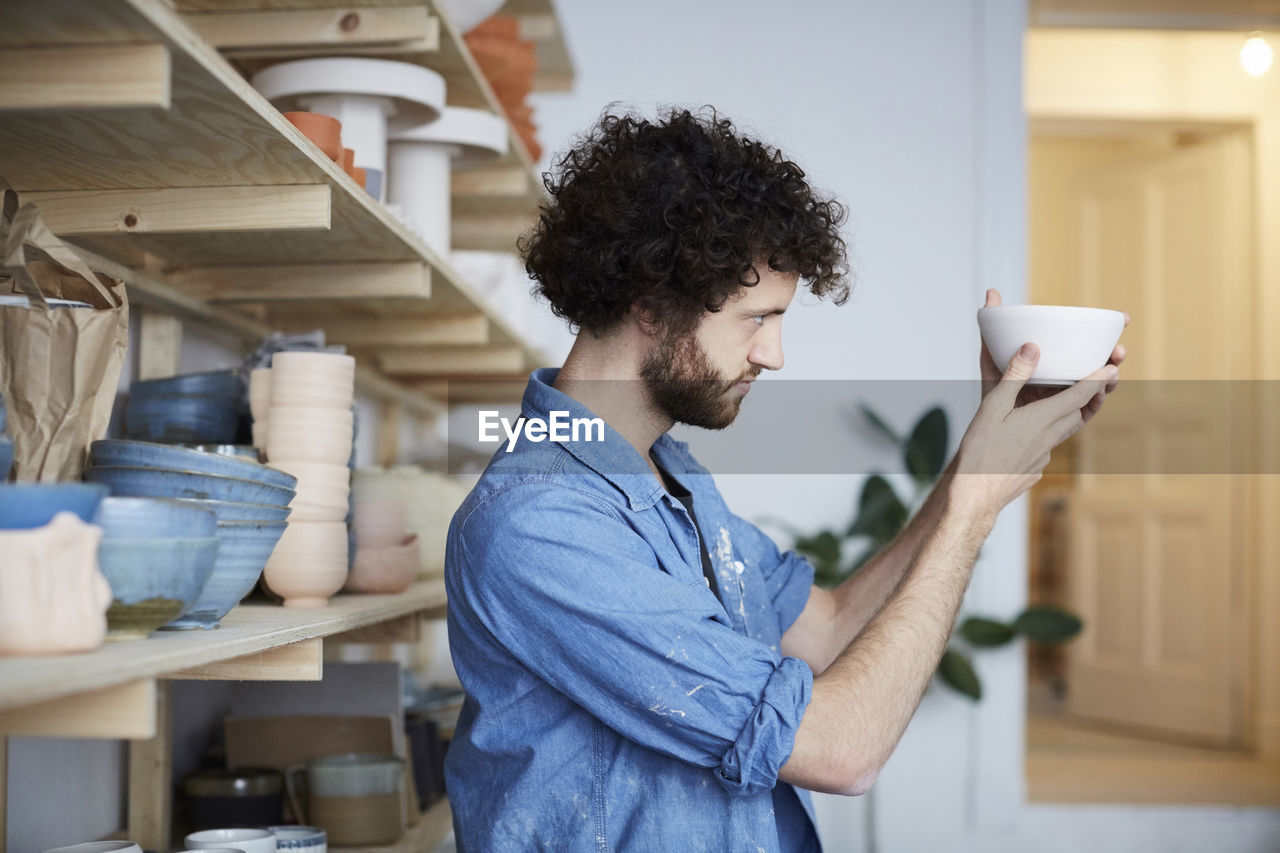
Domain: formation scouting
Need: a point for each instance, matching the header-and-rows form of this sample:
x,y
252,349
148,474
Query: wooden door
x,y
1155,569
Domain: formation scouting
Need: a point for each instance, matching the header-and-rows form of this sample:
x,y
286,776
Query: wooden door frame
x,y
1064,96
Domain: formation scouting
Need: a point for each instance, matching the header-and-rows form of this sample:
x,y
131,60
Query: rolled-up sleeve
x,y
788,576
575,594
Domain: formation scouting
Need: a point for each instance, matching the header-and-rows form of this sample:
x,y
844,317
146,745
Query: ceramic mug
x,y
357,799
308,839
245,840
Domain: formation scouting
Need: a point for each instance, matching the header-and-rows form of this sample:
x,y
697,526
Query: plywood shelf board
x,y
246,630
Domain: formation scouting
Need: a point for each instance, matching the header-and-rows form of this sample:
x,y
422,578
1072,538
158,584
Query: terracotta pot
x,y
53,598
325,131
361,176
348,160
499,26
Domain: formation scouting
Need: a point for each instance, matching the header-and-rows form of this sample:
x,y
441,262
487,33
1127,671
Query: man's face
x,y
701,378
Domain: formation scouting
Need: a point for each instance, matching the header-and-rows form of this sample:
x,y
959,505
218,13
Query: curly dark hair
x,y
671,217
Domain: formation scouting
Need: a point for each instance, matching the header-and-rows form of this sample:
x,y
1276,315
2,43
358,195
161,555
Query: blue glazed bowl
x,y
6,457
213,383
25,506
169,483
143,454
178,419
243,550
238,511
154,518
309,839
153,580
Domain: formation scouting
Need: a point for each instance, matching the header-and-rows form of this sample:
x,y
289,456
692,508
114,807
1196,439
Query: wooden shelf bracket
x,y
300,661
123,711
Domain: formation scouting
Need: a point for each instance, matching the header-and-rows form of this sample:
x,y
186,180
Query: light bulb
x,y
1256,55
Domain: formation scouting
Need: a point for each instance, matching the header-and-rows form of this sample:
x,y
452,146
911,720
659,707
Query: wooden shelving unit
x,y
162,157
257,642
131,124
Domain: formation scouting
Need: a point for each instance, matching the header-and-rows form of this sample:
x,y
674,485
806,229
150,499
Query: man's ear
x,y
645,320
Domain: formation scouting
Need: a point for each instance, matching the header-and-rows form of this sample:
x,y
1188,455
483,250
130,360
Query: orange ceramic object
x,y
325,131
494,26
348,160
360,175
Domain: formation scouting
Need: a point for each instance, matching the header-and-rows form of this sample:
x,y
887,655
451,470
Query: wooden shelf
x,y
249,629
423,837
165,188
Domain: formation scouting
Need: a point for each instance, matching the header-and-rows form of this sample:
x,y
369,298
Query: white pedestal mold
x,y
369,97
422,159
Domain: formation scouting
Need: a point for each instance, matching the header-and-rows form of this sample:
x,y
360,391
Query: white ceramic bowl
x,y
247,840
1074,341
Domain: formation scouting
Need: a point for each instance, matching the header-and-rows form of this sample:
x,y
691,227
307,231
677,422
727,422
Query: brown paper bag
x,y
59,366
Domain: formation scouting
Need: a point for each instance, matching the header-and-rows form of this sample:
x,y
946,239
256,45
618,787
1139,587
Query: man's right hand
x,y
1006,447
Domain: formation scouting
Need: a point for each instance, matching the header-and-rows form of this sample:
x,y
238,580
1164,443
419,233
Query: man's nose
x,y
767,353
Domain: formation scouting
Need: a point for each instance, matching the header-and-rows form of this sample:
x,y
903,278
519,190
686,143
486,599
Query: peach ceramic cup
x,y
53,597
386,570
313,380
309,563
378,523
259,392
322,492
308,434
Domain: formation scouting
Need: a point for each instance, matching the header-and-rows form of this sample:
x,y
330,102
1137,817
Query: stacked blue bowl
x,y
195,408
157,555
26,506
248,500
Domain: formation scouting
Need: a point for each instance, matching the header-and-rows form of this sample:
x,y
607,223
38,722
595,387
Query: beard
x,y
684,386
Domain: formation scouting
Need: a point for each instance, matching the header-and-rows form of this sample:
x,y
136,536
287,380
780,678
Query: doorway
x,y
1152,702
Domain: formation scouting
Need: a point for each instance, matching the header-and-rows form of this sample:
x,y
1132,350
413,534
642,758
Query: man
x,y
644,670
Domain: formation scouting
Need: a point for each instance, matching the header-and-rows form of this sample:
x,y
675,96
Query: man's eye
x,y
758,319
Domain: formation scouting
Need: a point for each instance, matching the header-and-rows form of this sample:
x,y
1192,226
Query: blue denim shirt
x,y
613,703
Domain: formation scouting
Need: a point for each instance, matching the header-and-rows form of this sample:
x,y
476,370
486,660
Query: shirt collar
x,y
614,458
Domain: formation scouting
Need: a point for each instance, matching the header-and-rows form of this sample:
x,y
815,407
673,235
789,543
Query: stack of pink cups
x,y
309,433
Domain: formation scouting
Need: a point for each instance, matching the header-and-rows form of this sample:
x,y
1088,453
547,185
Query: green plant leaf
x,y
879,423
880,513
986,633
957,671
823,546
1048,625
925,453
